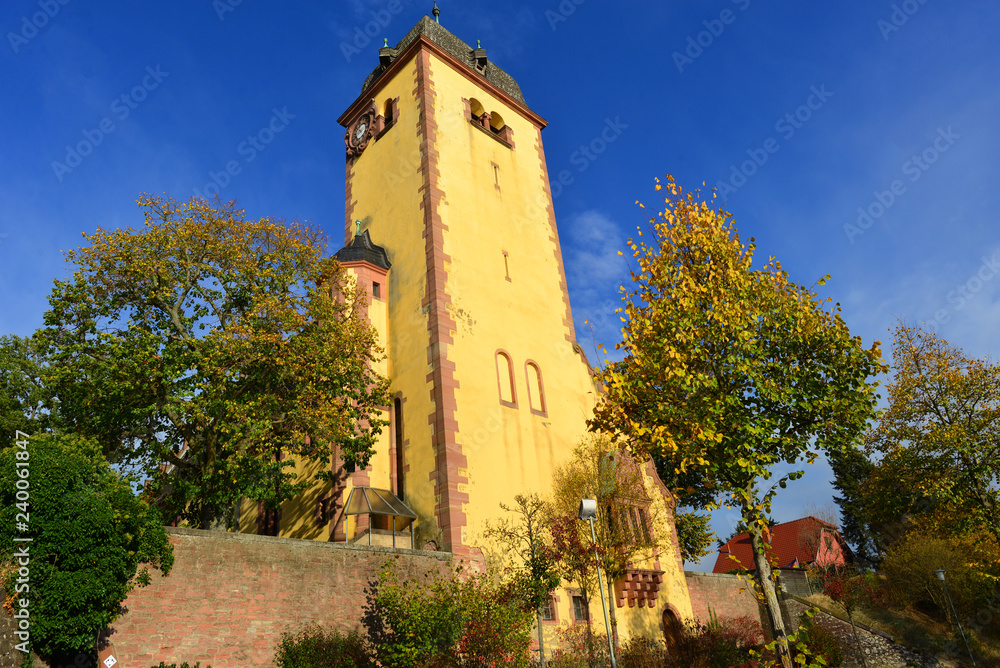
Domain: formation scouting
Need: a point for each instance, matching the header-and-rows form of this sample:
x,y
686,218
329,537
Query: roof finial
x,y
385,42
436,12
478,44
358,224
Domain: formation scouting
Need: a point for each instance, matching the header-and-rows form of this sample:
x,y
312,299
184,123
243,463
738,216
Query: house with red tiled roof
x,y
796,544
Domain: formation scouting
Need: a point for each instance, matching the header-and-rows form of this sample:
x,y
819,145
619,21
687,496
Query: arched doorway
x,y
673,630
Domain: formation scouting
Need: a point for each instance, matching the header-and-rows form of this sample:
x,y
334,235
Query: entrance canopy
x,y
381,503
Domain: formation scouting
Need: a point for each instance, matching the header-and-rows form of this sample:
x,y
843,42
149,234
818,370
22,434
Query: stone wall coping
x,y
842,617
303,543
702,574
723,576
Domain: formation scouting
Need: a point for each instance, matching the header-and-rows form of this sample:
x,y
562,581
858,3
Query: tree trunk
x,y
541,642
611,611
770,596
206,516
591,659
857,641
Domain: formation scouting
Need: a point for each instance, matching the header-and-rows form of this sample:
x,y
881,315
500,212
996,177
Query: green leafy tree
x,y
93,540
527,542
24,401
626,516
211,351
577,564
730,370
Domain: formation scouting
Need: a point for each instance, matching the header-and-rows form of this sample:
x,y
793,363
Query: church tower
x,y
451,234
446,172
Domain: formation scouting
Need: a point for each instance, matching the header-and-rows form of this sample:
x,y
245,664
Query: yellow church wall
x,y
512,450
509,450
384,182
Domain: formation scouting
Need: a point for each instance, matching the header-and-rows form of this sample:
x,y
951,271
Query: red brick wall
x,y
722,593
229,596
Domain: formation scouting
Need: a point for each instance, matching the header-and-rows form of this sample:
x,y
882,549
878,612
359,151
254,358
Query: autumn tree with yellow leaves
x,y
938,443
731,370
209,352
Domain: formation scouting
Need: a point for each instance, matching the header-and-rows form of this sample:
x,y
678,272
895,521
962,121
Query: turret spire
x,y
436,12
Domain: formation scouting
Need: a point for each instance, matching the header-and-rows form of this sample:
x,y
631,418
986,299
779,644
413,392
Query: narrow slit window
x,y
536,398
400,457
505,380
496,175
376,291
506,266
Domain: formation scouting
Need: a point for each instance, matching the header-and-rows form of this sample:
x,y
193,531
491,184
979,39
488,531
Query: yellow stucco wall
x,y
385,183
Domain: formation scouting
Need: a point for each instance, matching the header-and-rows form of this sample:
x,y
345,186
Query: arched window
x,y
476,108
390,110
496,122
536,393
505,379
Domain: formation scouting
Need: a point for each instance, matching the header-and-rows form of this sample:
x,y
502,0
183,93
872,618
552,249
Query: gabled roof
x,y
456,47
793,544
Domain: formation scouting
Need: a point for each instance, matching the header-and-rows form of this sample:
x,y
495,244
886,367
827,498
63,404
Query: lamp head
x,y
588,509
940,573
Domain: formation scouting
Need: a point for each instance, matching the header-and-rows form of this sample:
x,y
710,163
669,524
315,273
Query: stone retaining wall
x,y
229,596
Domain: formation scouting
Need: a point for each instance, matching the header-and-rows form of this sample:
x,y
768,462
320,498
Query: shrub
x,y
723,644
819,642
909,573
314,647
581,647
457,618
642,653
498,621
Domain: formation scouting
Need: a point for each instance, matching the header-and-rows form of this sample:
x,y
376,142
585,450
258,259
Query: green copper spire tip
x,y
436,12
478,45
358,223
385,41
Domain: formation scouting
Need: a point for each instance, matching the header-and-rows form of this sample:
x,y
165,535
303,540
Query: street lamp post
x,y
940,573
588,511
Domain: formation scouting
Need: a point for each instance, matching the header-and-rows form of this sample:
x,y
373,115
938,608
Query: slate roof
x,y
456,47
362,249
793,544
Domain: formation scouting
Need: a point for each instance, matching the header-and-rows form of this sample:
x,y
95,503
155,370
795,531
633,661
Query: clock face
x,y
360,132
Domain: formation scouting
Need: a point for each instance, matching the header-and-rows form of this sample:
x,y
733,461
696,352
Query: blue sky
x,y
813,115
